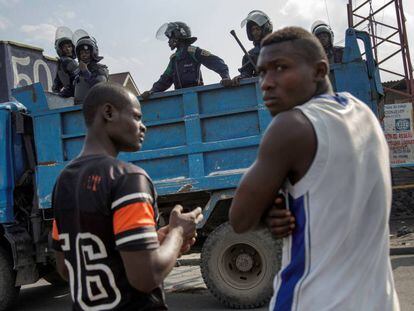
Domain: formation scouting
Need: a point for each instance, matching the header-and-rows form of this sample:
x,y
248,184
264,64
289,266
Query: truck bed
x,y
198,139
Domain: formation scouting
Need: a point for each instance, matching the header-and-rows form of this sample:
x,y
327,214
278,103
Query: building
x,y
126,80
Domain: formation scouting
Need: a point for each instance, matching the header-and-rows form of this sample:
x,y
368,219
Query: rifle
x,y
233,33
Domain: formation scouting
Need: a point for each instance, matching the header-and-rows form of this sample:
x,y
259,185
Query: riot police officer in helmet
x,y
183,69
326,36
90,71
67,67
258,25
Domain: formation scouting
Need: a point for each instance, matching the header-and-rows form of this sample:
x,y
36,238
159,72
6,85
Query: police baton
x,y
233,33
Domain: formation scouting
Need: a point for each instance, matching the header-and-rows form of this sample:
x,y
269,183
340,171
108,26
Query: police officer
x,y
67,67
258,25
326,36
90,71
184,67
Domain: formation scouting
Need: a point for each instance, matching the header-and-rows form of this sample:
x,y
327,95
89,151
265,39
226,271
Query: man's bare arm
x,y
286,151
148,268
153,265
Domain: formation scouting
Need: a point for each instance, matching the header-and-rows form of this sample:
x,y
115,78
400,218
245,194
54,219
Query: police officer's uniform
x,y
260,19
67,66
184,68
86,79
95,72
247,70
333,53
67,69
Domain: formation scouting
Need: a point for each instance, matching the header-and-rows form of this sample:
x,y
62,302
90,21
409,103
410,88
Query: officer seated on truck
x,y
67,67
90,71
326,36
184,66
105,228
258,26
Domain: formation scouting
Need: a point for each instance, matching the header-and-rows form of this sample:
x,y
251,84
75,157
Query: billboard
x,y
398,128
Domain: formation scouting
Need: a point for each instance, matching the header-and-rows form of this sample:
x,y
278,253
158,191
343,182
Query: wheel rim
x,y
241,266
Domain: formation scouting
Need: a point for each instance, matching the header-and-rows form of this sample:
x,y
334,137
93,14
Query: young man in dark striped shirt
x,y
105,233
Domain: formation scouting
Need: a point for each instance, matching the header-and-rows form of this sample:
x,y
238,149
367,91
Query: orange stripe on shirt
x,y
133,216
55,232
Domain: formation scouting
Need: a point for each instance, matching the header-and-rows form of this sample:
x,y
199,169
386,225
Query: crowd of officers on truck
x,y
74,77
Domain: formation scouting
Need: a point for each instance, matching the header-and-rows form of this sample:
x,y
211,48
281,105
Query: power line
x,y
327,13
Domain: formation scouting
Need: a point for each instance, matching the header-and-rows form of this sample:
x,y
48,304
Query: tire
x,y
238,269
8,292
55,279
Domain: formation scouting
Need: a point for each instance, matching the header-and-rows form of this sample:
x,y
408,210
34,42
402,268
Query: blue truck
x,y
199,142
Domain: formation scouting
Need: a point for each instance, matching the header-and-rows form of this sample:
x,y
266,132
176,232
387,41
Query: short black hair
x,y
305,43
103,93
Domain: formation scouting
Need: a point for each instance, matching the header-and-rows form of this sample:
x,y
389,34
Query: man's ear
x,y
109,113
321,70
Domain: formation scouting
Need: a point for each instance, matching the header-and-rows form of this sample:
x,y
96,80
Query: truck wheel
x,y
8,292
55,279
238,269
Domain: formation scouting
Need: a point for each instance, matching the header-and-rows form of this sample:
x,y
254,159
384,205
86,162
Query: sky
x,y
125,29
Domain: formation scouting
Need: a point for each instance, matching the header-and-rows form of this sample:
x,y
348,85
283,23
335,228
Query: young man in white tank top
x,y
328,153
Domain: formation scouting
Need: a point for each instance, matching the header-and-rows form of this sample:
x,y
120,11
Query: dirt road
x,y
186,289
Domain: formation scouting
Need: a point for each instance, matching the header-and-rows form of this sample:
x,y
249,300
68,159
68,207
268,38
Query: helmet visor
x,y
63,33
164,32
256,16
78,34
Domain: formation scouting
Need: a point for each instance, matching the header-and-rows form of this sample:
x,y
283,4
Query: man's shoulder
x,y
198,51
126,168
255,50
94,66
65,60
289,119
288,128
109,165
290,137
192,48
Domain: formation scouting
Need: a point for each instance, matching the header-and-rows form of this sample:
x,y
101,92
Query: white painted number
x,y
90,249
20,77
24,61
36,70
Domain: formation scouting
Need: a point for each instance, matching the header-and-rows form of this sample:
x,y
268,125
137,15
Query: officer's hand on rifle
x,y
146,95
279,219
226,82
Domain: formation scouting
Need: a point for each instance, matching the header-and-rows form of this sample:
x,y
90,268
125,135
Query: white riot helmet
x,y
321,26
260,19
63,34
83,41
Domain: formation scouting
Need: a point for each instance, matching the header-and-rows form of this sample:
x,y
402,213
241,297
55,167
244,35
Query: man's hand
x,y
236,80
83,66
146,95
185,221
162,233
187,244
279,220
226,82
